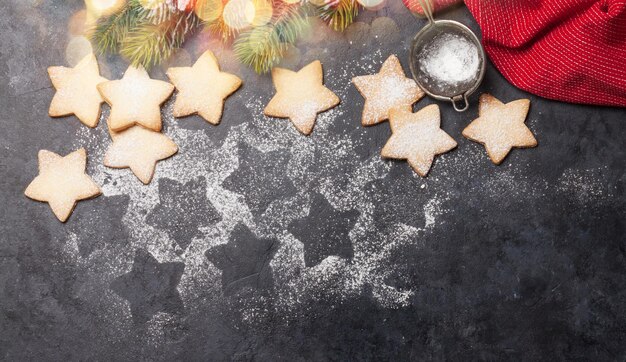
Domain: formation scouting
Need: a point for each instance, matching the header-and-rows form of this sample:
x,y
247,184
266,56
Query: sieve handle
x,y
463,98
428,10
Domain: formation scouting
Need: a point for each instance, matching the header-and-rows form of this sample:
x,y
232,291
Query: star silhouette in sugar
x,y
182,209
324,232
261,177
99,223
150,287
244,260
397,197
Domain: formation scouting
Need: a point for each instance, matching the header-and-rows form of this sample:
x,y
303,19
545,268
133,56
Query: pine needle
x,y
149,36
264,46
219,27
149,43
109,32
340,15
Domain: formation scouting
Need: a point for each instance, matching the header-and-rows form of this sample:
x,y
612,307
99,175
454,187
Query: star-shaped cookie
x,y
417,138
76,91
385,91
202,88
62,182
500,127
300,96
135,100
139,149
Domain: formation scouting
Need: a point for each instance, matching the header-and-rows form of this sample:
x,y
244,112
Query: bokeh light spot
x,y
103,7
236,13
209,10
77,24
77,48
371,3
151,4
262,12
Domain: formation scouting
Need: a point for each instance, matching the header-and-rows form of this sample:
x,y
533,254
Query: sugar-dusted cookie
x,y
135,99
300,96
139,149
62,182
76,91
500,127
202,88
417,138
385,91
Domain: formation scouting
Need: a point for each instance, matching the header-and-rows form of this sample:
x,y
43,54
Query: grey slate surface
x,y
522,261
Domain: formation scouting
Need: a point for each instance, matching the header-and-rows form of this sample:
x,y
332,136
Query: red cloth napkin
x,y
569,50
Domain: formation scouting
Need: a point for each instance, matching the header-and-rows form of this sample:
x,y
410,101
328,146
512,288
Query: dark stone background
x,y
535,272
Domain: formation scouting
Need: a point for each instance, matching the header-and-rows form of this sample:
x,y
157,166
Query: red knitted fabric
x,y
569,50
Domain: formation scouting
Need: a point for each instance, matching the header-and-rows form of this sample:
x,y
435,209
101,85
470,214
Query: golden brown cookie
x,y
500,127
62,182
417,138
300,96
386,91
139,149
202,88
135,100
76,91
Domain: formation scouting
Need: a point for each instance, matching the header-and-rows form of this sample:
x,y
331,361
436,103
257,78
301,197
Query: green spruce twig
x,y
340,15
110,31
149,43
264,46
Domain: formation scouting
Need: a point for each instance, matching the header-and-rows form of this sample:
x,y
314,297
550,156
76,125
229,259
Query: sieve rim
x,y
481,53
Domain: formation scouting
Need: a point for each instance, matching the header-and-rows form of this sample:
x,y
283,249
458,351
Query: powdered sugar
x,y
450,59
324,162
327,163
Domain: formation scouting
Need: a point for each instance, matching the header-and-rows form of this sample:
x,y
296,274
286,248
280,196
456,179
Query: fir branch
x,y
339,15
164,12
264,46
150,43
220,28
110,31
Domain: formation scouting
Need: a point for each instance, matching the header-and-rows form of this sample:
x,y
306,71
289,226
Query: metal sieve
x,y
446,92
